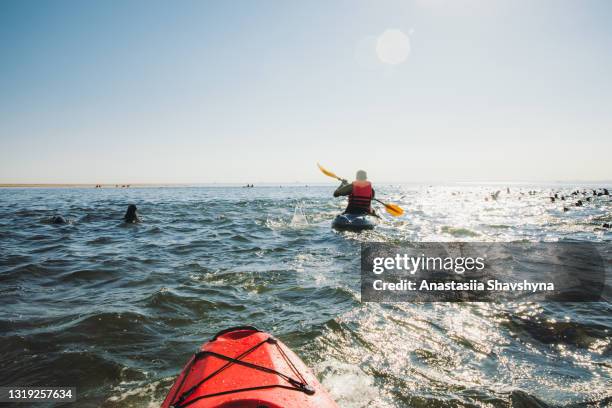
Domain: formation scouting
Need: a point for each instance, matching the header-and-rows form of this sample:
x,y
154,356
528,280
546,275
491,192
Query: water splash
x,y
299,219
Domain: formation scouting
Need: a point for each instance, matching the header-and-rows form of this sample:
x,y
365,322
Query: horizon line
x,y
295,183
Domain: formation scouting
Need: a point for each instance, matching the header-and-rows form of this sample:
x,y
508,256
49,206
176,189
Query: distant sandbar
x,y
51,185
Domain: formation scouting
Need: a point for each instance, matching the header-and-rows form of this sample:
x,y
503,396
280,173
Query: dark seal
x,y
131,216
58,219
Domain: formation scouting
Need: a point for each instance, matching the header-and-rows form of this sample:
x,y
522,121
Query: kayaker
x,y
360,194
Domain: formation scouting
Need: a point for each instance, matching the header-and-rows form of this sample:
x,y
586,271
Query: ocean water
x,y
116,310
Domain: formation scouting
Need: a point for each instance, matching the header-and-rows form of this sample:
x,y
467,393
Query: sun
x,y
393,47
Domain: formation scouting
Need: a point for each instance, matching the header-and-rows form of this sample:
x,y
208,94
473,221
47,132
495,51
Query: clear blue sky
x,y
259,91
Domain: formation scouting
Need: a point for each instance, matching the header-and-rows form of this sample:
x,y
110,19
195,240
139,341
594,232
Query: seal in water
x,y
58,219
131,216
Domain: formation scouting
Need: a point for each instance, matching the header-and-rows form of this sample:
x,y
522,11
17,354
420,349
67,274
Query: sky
x,y
260,91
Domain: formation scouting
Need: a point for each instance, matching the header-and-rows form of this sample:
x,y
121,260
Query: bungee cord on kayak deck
x,y
181,400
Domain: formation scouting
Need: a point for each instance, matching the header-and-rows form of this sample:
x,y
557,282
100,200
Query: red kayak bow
x,y
243,367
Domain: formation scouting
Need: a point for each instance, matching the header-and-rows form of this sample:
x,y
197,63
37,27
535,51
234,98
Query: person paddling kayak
x,y
360,194
393,209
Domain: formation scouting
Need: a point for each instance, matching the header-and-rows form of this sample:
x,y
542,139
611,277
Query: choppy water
x,y
116,309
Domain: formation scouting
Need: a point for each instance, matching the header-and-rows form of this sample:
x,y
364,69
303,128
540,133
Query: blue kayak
x,y
353,222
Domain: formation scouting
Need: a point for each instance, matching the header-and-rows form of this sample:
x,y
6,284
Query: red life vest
x,y
361,197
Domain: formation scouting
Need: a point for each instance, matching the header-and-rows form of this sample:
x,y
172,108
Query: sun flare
x,y
393,47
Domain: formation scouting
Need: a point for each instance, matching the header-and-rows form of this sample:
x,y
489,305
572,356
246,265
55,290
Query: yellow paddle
x,y
393,209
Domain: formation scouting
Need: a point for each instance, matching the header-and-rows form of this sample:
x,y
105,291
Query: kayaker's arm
x,y
372,211
345,189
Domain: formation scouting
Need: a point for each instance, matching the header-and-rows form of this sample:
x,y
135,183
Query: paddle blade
x,y
327,172
394,210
